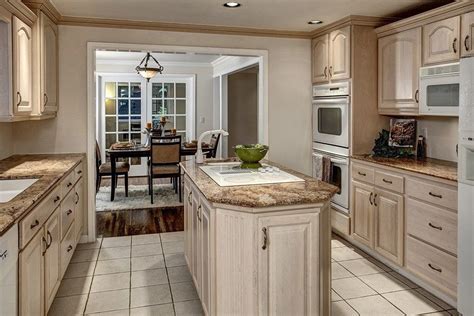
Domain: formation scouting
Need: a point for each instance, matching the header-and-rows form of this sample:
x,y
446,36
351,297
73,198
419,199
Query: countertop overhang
x,y
49,169
311,191
442,169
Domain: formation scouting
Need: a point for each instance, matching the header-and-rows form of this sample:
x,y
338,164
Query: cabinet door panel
x,y
205,234
31,290
441,41
399,63
340,54
79,208
49,58
288,261
52,276
389,225
187,222
467,34
196,261
320,59
362,213
22,67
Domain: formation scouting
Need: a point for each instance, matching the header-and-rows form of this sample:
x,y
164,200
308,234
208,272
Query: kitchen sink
x,y
11,188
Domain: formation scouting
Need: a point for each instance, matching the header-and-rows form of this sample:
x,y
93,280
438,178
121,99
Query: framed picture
x,y
402,133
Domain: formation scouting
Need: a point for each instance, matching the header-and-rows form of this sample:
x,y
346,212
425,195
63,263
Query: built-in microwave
x,y
439,90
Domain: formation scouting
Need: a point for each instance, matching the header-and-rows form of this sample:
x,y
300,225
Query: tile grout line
x,y
167,275
92,280
130,282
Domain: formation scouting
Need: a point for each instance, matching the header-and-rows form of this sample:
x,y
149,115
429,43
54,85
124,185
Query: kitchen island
x,y
258,249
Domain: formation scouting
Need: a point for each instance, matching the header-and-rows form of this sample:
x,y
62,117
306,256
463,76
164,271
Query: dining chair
x,y
213,144
105,169
165,156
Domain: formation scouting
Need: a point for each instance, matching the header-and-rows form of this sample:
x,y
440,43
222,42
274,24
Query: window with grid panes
x,y
123,113
169,99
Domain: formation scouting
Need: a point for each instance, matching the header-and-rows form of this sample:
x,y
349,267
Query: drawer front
x,y
78,171
33,222
67,212
362,173
68,183
389,181
433,265
432,224
68,246
433,193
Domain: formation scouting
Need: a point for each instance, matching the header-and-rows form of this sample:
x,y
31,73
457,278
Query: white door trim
x,y
91,104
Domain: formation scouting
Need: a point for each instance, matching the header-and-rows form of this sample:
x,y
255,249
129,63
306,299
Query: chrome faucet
x,y
199,154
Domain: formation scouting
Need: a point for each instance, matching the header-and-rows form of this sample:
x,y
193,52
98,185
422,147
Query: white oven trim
x,y
342,103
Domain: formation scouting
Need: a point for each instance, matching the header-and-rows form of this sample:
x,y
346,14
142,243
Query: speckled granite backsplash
x,y
48,169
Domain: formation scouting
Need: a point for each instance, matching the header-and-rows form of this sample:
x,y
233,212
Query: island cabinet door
x,y
205,245
187,222
288,264
196,242
52,276
362,212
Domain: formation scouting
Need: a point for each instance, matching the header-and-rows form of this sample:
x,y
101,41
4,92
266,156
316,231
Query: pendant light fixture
x,y
148,72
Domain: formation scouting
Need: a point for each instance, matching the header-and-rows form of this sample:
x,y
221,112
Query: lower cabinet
x,y
267,263
287,263
377,217
52,275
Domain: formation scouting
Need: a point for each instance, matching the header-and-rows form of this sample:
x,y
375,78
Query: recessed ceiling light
x,y
231,4
315,22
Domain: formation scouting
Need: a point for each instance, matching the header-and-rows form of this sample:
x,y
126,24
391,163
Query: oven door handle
x,y
339,161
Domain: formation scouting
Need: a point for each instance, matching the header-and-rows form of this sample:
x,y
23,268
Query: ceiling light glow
x,y
315,22
231,4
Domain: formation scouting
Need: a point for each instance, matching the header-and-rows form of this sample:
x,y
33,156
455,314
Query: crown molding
x,y
45,6
20,10
134,63
179,27
444,12
360,20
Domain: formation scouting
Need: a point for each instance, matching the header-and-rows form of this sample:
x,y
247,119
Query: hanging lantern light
x,y
148,72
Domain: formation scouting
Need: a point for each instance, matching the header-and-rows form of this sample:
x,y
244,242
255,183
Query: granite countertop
x,y
49,169
311,191
442,169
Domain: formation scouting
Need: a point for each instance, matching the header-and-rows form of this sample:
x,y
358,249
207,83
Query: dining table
x,y
139,151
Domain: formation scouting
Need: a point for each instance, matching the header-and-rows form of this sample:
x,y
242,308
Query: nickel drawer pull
x,y
455,41
265,238
35,223
69,248
375,199
56,199
387,181
362,173
45,99
69,212
18,94
439,196
370,198
435,227
417,95
79,172
69,185
466,42
4,255
77,197
434,268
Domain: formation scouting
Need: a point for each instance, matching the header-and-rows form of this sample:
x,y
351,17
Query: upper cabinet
x,y
398,74
22,67
320,58
48,40
441,42
340,54
467,34
331,56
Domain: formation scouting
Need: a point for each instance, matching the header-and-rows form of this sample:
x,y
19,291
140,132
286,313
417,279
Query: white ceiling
x,y
290,15
113,56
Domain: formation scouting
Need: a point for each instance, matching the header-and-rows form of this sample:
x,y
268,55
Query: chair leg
x,y
116,181
149,185
126,184
176,185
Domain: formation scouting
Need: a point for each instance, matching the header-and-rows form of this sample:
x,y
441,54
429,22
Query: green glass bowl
x,y
250,154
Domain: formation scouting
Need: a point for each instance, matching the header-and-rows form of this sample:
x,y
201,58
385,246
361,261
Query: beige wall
x,y
242,108
289,90
6,137
442,136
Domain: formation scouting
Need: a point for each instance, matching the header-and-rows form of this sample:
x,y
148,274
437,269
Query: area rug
x,y
138,198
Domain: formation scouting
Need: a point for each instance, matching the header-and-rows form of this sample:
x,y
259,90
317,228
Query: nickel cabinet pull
x,y
46,245
18,95
435,227
56,199
69,248
375,199
45,99
265,238
330,71
387,181
439,196
35,223
435,268
466,43
190,201
455,41
417,94
77,197
50,239
370,198
69,212
4,255
362,173
325,72
199,213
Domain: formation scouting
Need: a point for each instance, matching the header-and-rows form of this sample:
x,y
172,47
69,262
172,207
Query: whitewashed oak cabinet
x,y
44,251
410,220
273,262
441,43
28,62
467,34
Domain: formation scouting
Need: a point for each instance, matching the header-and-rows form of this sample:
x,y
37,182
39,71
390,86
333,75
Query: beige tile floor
x,y
147,275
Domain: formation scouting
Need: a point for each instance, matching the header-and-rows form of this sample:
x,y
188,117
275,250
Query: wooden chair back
x,y
165,150
98,156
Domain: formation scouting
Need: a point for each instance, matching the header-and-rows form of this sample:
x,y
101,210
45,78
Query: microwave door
x,y
439,95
